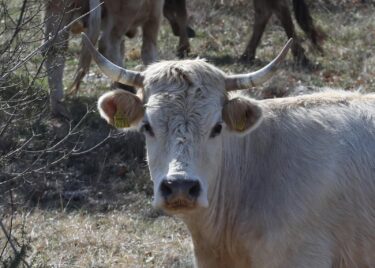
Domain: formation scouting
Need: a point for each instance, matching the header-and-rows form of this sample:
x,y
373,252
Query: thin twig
x,y
45,44
76,153
8,235
18,28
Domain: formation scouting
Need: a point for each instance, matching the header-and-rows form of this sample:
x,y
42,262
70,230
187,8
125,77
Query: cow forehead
x,y
185,113
184,78
189,93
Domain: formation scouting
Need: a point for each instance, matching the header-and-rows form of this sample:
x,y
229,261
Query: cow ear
x,y
120,108
241,114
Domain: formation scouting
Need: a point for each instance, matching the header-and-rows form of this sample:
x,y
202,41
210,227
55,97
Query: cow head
x,y
184,111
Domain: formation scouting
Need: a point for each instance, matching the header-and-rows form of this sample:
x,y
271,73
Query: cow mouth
x,y
179,205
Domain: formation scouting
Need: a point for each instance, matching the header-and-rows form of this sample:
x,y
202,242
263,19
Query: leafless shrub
x,y
13,251
39,154
42,158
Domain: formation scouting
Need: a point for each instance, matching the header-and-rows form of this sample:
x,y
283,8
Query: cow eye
x,y
146,127
216,130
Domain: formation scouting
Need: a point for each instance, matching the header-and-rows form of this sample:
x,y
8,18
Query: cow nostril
x,y
195,190
180,188
166,188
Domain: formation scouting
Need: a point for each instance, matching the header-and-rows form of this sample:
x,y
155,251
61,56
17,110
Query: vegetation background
x,y
78,194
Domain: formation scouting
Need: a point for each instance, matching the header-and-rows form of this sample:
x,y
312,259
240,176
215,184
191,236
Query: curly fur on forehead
x,y
184,96
170,76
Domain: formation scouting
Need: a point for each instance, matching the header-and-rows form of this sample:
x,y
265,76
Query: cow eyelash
x,y
146,127
216,130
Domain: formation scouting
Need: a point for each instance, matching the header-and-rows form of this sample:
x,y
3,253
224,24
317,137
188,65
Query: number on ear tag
x,y
240,126
120,120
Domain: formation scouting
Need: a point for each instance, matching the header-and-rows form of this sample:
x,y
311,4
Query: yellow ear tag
x,y
120,120
240,125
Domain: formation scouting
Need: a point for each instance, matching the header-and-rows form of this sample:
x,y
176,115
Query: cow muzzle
x,y
180,193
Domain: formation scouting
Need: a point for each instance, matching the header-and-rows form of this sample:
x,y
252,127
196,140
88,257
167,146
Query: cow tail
x,y
305,21
93,32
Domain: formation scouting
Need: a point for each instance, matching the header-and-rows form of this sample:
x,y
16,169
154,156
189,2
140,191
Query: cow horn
x,y
113,71
242,81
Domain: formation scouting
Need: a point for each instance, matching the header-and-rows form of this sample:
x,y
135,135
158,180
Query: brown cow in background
x,y
263,11
173,10
114,19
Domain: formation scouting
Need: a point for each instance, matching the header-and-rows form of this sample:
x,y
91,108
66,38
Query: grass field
x,y
114,225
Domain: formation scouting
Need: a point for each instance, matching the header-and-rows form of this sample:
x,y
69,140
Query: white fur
x,y
297,191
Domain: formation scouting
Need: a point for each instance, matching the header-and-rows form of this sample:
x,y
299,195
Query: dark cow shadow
x,y
221,60
290,64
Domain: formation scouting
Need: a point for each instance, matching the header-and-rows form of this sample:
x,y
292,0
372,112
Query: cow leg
x,y
112,38
172,16
283,13
150,34
262,15
150,31
55,58
181,16
118,43
168,12
93,32
112,46
119,85
175,12
106,27
184,45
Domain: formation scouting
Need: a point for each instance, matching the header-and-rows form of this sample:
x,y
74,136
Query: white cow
x,y
272,183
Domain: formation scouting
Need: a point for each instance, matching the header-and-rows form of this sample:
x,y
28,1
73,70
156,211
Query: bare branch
x,y
8,235
18,28
45,45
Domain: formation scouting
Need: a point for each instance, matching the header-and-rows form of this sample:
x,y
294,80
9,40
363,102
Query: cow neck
x,y
216,224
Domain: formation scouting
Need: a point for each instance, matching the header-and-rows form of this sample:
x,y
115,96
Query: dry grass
x,y
131,234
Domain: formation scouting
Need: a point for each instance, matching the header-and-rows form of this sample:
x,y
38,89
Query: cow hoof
x,y
304,63
183,52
